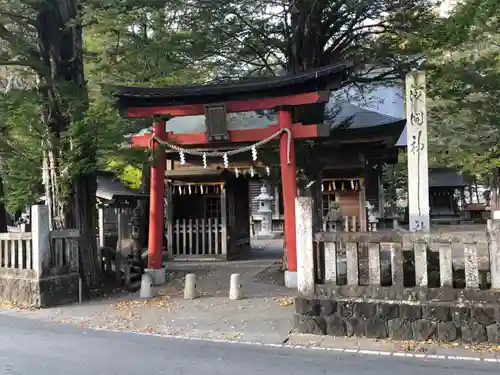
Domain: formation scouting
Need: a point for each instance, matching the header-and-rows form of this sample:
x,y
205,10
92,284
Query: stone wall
x,y
441,321
19,287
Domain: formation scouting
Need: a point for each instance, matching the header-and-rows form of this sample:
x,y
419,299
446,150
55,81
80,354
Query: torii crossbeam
x,y
215,102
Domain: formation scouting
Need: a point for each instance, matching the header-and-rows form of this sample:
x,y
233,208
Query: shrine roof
x,y
360,119
445,177
324,78
109,188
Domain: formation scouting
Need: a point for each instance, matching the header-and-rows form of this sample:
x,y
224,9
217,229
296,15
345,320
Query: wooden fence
x,y
410,260
16,251
41,252
198,237
392,258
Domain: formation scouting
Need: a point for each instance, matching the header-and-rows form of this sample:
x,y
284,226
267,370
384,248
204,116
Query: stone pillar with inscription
x,y
418,165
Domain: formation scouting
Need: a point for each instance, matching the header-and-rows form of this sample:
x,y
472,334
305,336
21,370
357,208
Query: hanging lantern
x,y
252,172
334,186
204,157
254,153
189,189
201,189
331,186
342,185
352,184
268,171
226,161
237,172
356,185
180,190
322,187
182,157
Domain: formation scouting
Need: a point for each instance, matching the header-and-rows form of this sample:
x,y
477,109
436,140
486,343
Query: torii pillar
x,y
289,188
157,207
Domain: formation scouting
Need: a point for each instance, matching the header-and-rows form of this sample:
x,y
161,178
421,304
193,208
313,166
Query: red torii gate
x,y
215,101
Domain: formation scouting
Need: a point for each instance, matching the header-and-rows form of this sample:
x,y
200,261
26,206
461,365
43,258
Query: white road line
x,y
303,347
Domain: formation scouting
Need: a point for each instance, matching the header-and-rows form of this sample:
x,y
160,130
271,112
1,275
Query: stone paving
x,y
263,315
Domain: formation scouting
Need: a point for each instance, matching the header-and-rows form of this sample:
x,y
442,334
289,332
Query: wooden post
x,y
418,169
362,206
223,219
420,251
41,240
170,212
305,255
494,248
276,211
101,227
446,265
157,208
289,187
381,198
331,263
471,266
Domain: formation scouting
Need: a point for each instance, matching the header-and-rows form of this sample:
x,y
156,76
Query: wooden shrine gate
x,y
215,102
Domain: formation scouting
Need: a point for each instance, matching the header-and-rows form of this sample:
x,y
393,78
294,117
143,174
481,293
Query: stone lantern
x,y
265,212
135,223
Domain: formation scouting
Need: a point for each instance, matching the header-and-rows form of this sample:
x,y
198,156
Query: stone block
x,y
59,290
460,315
438,313
327,307
483,315
400,329
365,310
376,328
423,329
447,332
355,326
493,333
303,306
387,311
473,332
410,312
315,325
335,325
345,309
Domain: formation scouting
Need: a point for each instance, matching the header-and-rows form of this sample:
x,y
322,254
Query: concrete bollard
x,y
235,287
147,286
190,286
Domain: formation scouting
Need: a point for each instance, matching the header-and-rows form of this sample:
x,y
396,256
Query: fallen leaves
x,y
424,346
160,301
15,306
413,347
284,302
484,348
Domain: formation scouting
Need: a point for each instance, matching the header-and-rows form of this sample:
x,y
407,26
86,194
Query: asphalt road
x,y
28,347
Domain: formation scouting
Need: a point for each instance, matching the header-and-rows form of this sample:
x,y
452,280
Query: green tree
x,y
464,89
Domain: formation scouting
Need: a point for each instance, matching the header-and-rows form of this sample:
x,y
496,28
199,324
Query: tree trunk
x,y
84,203
64,90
